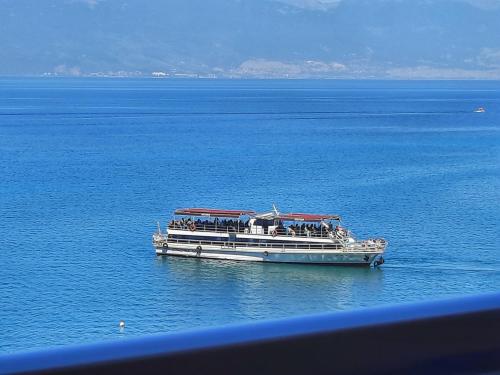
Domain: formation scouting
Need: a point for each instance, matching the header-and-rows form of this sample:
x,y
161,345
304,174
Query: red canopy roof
x,y
213,212
238,213
307,217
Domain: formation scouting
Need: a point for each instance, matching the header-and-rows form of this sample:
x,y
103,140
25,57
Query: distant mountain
x,y
252,38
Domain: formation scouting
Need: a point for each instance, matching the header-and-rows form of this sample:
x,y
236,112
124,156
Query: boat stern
x,y
373,250
380,246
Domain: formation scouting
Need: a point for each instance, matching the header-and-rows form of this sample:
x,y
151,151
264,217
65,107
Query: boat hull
x,y
336,257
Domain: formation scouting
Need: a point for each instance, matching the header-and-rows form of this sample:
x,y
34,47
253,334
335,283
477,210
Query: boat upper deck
x,y
272,223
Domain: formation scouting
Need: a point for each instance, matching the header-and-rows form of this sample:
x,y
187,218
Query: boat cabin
x,y
264,226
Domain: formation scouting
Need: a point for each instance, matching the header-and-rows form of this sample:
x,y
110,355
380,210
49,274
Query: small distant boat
x,y
265,237
480,110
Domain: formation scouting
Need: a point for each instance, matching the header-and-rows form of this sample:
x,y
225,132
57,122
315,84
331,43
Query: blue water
x,y
89,166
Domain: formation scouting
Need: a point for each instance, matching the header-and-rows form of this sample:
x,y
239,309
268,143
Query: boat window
x,y
263,222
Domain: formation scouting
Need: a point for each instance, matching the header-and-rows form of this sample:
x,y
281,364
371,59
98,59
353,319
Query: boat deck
x,y
300,231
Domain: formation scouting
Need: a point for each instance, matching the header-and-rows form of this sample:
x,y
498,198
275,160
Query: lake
x,y
88,166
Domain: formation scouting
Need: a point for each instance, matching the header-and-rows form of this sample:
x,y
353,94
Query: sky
x,y
386,39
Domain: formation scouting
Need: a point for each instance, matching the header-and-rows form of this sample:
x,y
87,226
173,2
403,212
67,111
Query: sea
x,y
88,166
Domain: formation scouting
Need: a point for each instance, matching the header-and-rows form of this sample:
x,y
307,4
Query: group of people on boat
x,y
208,224
318,230
305,230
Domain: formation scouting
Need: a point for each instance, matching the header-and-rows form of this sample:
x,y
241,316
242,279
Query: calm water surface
x,y
88,167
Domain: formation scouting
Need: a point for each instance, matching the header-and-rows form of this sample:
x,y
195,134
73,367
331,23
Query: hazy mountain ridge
x,y
249,38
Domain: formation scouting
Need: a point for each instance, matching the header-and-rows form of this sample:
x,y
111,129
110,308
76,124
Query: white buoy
x,y
122,324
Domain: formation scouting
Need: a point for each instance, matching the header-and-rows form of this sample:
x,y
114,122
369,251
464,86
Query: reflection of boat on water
x,y
480,110
255,287
265,237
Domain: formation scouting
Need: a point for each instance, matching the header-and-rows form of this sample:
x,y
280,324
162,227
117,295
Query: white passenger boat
x,y
480,110
265,237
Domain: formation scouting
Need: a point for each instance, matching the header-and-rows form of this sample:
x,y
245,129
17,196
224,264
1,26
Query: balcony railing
x,y
458,336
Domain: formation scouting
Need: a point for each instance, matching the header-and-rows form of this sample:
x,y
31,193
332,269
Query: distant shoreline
x,y
202,78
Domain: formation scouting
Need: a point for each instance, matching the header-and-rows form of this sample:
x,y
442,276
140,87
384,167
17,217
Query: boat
x,y
246,235
480,110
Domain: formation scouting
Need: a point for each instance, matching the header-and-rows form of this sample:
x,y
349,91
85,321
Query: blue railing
x,y
452,336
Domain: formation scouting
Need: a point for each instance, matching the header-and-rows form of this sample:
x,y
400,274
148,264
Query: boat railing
x,y
209,228
322,233
282,246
